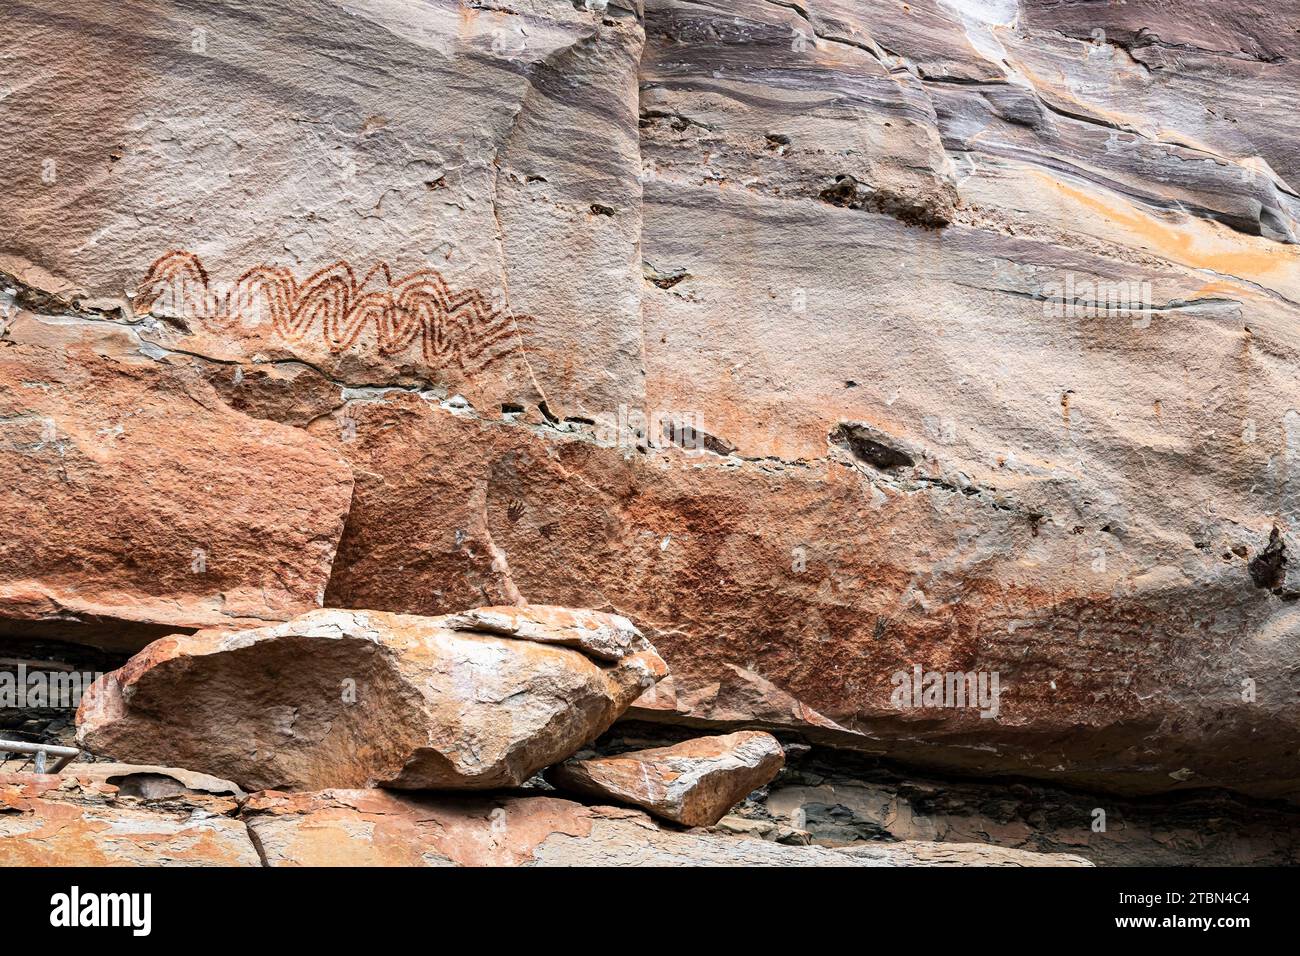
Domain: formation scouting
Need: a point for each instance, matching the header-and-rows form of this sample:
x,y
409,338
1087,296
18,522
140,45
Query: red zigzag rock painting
x,y
453,328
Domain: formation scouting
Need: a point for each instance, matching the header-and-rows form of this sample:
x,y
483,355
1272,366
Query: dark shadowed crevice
x,y
869,448
1268,568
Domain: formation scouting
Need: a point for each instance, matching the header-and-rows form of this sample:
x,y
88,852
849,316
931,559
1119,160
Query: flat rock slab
x,y
360,698
80,818
378,828
694,782
153,782
504,142
151,816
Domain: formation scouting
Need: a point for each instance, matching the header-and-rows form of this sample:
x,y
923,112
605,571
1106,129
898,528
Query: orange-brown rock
x,y
412,236
114,815
132,493
123,815
790,595
985,315
361,698
609,637
693,783
378,828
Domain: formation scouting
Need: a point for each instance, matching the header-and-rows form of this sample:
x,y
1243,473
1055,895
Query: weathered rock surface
x,y
132,493
605,636
270,200
116,815
985,315
359,698
377,828
693,783
154,783
834,798
1206,829
128,815
755,582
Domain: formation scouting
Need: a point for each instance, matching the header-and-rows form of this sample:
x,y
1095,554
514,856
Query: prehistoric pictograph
x,y
453,328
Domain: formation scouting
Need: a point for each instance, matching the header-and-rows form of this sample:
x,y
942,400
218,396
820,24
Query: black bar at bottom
x,y
268,907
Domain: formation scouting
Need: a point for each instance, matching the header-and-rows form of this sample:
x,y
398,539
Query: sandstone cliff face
x,y
978,320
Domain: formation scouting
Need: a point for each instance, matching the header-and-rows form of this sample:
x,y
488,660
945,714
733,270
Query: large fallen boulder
x,y
115,815
378,828
694,782
365,698
609,637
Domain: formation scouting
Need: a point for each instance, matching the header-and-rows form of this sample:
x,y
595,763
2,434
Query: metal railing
x,y
63,755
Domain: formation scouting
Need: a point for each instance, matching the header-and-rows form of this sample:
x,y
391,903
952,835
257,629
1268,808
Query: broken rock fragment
x,y
606,636
694,783
361,699
114,815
